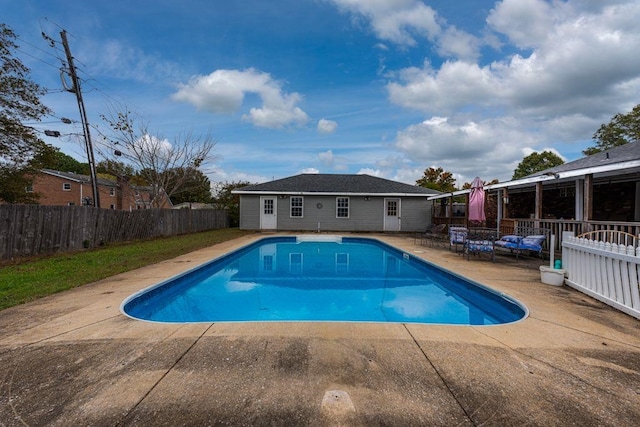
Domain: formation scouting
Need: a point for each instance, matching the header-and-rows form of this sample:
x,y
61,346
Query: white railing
x,y
609,272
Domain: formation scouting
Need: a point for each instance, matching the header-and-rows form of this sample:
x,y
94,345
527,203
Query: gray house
x,y
333,202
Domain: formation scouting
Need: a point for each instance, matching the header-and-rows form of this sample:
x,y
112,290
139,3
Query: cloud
x,y
153,145
487,148
397,21
121,60
310,170
327,126
326,157
459,44
369,171
408,23
329,160
526,23
223,91
574,63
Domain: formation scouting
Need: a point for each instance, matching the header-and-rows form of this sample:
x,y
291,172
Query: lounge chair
x,y
517,244
480,241
457,236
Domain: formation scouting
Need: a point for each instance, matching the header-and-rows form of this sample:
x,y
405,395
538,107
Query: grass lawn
x,y
24,280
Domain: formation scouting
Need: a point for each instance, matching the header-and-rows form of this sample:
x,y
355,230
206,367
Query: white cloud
x,y
121,60
453,86
490,148
528,151
310,170
369,171
526,23
398,21
326,158
327,126
576,66
459,44
154,145
329,160
223,91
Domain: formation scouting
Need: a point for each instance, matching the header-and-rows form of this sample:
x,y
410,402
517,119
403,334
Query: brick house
x,y
71,189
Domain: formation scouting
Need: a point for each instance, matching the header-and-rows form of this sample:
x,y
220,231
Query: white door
x,y
268,220
392,215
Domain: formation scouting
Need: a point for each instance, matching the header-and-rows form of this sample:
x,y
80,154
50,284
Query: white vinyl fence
x,y
606,271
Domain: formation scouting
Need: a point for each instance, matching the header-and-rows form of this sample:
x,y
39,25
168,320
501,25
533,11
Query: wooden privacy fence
x,y
33,229
605,270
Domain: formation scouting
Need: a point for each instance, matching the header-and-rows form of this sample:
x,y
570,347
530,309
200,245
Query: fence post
x,y
566,235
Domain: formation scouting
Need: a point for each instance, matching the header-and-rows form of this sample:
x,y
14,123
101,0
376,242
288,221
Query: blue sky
x,y
384,87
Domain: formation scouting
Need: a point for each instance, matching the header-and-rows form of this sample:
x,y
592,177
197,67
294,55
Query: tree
x,y
231,202
437,179
536,162
55,159
162,164
622,129
19,102
467,185
197,188
115,168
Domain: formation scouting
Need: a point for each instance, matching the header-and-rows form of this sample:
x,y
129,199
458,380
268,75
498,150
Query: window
x,y
66,186
342,207
268,206
29,188
112,191
392,208
112,206
296,206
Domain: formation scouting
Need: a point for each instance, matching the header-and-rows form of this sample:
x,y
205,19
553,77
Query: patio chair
x,y
435,234
457,236
480,241
517,244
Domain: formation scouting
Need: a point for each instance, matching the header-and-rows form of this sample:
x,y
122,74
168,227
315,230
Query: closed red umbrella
x,y
476,202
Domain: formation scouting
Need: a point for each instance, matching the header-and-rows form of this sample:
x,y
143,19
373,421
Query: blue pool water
x,y
338,279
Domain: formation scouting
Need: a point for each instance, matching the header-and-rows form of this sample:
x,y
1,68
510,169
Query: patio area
x,y
74,359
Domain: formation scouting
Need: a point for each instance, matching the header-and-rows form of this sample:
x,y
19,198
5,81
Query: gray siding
x,y
416,213
364,215
249,212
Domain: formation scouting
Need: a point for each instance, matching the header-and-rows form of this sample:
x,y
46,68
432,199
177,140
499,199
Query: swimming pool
x,y
322,278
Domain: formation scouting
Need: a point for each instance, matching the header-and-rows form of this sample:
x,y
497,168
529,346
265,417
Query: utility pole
x,y
75,88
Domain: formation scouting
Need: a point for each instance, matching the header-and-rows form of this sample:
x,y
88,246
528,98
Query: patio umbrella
x,y
476,202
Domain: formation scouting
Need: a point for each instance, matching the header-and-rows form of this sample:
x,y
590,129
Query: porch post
x,y
636,215
538,206
500,192
588,198
579,200
504,202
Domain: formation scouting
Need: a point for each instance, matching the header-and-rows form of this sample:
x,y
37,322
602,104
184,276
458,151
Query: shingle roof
x,y
336,184
622,153
79,177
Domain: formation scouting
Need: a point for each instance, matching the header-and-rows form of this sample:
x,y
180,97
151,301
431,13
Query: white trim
x,y
342,207
301,207
336,194
398,214
554,177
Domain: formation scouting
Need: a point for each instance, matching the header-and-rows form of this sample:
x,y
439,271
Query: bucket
x,y
552,276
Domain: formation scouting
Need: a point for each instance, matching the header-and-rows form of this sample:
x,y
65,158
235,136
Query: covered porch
x,y
598,192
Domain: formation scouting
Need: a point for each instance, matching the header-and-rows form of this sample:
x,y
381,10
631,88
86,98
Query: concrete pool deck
x,y
74,359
